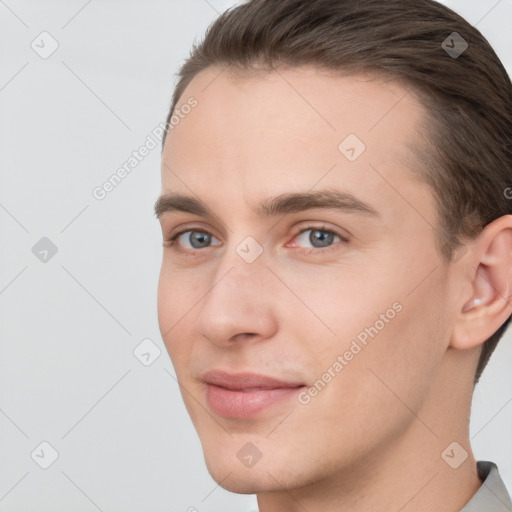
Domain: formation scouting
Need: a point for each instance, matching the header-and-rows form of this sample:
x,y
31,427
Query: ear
x,y
488,270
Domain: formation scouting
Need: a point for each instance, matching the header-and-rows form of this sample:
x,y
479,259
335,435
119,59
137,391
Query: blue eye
x,y
320,240
196,239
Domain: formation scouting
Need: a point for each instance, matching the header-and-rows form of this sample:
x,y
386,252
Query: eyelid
x,y
191,227
322,226
172,239
321,251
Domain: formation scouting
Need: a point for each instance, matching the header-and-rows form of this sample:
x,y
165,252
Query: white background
x,y
69,326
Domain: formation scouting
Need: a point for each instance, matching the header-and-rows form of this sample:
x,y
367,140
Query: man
x,y
337,252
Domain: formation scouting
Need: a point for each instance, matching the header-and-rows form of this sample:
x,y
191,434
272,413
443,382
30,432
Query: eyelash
x,y
172,242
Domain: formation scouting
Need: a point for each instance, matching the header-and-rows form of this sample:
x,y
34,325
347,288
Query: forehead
x,y
256,134
327,102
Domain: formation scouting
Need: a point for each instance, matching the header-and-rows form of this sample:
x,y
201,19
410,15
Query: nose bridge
x,y
237,281
238,298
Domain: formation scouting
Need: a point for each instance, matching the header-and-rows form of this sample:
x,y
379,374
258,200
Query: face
x,y
302,291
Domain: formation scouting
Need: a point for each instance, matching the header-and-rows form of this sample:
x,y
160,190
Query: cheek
x,y
165,301
175,302
401,356
362,397
176,295
379,326
339,303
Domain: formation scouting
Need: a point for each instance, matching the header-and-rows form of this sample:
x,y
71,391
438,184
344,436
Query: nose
x,y
238,305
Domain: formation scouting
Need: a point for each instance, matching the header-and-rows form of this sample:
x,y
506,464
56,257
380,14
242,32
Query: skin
x,y
372,439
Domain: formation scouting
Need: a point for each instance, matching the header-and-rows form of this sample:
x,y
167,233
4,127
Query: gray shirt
x,y
492,495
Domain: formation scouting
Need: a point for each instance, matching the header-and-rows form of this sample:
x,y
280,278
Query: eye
x,y
312,239
319,239
191,239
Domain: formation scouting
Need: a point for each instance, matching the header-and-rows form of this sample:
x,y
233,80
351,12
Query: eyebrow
x,y
279,205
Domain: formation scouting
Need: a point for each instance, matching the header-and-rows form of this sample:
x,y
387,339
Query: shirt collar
x,y
492,495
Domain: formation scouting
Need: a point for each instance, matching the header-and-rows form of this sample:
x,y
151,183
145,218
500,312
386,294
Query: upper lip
x,y
245,380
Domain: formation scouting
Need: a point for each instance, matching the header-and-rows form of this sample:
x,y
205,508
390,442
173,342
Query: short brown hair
x,y
467,97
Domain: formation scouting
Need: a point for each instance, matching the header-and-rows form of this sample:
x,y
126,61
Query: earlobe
x,y
490,273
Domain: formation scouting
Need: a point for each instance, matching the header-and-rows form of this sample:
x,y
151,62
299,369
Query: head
x,y
346,228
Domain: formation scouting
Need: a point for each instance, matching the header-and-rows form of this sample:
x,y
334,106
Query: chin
x,y
267,475
234,477
240,485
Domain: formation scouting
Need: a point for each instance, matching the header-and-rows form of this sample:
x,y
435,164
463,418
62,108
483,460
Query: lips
x,y
246,394
245,381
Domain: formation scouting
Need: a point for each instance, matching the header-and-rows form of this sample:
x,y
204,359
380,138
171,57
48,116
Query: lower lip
x,y
242,404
